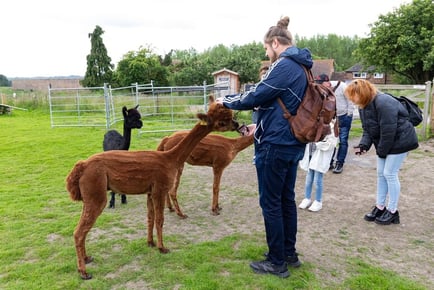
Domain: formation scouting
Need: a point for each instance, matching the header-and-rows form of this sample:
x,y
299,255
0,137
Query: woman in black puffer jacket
x,y
385,125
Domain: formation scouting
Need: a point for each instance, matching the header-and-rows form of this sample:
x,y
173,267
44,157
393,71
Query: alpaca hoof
x,y
88,259
151,244
181,215
216,211
85,276
164,250
124,199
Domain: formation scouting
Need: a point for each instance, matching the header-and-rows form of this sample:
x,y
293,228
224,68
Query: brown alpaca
x,y
136,172
215,151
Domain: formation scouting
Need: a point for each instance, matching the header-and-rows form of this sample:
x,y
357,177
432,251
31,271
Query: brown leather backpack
x,y
316,111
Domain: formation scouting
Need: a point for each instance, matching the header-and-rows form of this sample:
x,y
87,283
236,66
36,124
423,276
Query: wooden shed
x,y
226,77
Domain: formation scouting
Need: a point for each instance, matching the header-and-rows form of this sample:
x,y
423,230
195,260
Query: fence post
x,y
51,106
205,102
430,97
107,106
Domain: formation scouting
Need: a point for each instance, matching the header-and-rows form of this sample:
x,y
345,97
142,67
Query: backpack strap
x,y
287,115
337,85
309,76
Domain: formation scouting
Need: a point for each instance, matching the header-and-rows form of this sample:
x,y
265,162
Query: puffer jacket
x,y
385,124
285,79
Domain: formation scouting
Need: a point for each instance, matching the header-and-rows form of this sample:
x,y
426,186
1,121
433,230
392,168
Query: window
x,y
358,75
378,76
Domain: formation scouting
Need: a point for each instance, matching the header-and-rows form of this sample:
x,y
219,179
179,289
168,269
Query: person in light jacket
x,y
316,162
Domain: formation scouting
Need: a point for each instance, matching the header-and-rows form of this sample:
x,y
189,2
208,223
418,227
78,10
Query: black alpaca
x,y
113,140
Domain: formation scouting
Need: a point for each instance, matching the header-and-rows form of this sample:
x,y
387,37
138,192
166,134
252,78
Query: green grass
x,y
37,220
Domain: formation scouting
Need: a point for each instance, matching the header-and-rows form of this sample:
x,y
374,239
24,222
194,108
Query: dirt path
x,y
338,231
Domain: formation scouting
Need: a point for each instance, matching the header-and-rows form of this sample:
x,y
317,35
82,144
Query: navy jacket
x,y
285,79
385,124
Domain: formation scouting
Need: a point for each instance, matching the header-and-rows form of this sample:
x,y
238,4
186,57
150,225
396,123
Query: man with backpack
x,y
344,112
277,150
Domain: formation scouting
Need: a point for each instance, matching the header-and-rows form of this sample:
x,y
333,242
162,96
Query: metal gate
x,y
164,108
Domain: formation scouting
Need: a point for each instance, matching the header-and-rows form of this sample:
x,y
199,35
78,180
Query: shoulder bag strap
x,y
337,85
309,76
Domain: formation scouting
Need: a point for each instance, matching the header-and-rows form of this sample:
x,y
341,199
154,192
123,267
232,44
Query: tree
x,y
246,61
331,46
190,68
402,42
4,82
99,66
142,66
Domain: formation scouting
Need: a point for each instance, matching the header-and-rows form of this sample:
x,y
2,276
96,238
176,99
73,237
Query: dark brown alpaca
x,y
215,151
136,172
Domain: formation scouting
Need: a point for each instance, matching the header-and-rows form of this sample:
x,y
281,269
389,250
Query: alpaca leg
x,y
215,208
174,192
88,217
169,203
123,198
158,203
151,217
112,200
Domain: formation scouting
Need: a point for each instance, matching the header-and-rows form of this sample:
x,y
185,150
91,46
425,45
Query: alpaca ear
x,y
211,99
124,111
136,106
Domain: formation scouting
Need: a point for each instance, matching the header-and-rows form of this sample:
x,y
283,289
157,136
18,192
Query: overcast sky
x,y
50,37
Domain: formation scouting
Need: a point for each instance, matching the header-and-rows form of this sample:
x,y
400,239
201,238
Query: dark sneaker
x,y
388,218
376,212
292,261
339,168
331,166
266,267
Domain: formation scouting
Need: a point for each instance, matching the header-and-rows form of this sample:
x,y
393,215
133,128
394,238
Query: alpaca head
x,y
219,118
132,118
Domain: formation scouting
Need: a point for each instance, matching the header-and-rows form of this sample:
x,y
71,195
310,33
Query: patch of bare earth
x,y
326,239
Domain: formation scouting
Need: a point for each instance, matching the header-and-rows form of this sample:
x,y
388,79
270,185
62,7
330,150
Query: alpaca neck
x,y
127,137
243,142
182,151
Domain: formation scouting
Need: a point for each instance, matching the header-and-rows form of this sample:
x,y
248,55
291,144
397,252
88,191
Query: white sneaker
x,y
305,203
316,206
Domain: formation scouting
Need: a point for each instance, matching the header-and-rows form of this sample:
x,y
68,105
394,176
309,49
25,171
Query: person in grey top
x,y
344,112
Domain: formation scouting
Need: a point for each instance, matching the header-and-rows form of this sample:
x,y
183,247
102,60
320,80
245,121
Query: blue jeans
x,y
344,132
312,177
388,181
276,168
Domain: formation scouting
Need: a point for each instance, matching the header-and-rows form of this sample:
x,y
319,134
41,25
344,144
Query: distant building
x,y
43,83
357,71
227,78
323,66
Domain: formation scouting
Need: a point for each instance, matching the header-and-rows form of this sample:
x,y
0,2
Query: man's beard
x,y
273,57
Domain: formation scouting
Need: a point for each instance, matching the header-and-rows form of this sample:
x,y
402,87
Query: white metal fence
x,y
170,108
165,108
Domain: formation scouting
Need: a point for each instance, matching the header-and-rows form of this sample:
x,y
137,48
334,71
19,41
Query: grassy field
x,y
37,220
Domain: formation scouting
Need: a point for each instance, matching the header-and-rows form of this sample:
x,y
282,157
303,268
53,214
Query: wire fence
x,y
162,108
173,108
